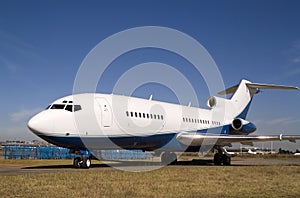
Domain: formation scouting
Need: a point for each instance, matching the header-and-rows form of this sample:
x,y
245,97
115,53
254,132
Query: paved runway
x,y
7,169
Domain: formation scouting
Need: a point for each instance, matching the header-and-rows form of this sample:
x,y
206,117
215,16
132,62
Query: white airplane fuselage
x,y
127,122
105,121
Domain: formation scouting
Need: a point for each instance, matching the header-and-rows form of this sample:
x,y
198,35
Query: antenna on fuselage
x,y
189,104
150,98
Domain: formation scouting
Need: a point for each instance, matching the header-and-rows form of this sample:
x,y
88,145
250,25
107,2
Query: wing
x,y
196,139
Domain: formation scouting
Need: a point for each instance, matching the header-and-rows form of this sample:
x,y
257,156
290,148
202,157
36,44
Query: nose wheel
x,y
82,162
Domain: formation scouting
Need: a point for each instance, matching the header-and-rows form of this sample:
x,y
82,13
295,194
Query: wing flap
x,y
196,139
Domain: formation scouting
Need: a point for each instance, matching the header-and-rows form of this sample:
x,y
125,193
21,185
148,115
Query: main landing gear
x,y
222,157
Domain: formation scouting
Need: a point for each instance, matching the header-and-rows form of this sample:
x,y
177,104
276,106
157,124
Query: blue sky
x,y
42,44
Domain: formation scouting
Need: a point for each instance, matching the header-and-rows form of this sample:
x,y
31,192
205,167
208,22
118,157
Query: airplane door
x,y
106,114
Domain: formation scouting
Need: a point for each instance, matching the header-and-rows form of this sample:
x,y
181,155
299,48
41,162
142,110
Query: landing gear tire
x,y
218,159
79,162
226,160
86,163
76,162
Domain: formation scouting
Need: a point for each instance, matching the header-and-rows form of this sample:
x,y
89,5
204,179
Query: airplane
x,y
254,152
88,122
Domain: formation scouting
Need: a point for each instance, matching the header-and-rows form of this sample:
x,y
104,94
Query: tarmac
x,y
8,169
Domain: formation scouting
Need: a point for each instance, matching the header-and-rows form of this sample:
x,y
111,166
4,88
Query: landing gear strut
x,y
168,158
222,158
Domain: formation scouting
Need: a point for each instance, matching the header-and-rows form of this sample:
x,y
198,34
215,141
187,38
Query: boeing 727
x,y
91,122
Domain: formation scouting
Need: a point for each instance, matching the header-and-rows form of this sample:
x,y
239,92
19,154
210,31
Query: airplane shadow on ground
x,y
194,162
63,166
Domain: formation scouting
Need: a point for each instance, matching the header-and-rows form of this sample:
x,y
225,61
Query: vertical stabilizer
x,y
240,101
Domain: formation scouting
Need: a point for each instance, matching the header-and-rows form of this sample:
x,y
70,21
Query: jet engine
x,y
240,127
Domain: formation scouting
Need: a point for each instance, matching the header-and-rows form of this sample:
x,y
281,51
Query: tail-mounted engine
x,y
241,127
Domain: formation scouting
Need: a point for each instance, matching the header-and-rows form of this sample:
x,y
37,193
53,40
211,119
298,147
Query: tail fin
x,y
243,93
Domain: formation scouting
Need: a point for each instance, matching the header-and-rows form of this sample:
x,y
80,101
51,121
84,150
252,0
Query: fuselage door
x,y
106,114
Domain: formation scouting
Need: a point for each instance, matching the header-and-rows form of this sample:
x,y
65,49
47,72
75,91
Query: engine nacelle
x,y
213,102
241,127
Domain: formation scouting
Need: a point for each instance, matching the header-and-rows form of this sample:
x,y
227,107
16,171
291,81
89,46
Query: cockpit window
x,y
69,108
58,106
48,106
77,107
72,108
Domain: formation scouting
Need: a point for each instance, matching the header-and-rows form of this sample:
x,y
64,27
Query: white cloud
x,y
23,115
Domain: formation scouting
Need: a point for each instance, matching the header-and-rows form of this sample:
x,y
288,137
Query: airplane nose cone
x,y
38,123
32,124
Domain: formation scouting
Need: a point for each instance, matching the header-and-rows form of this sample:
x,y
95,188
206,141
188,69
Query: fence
x,y
53,152
36,152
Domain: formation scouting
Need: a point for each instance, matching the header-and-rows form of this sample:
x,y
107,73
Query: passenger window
x,y
135,114
69,108
154,116
151,116
148,115
144,115
162,117
127,114
131,114
140,115
77,107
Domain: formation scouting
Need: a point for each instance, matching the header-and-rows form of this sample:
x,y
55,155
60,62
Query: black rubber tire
x,y
218,159
86,163
226,160
76,162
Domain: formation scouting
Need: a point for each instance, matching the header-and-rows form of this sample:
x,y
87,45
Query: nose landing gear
x,y
82,162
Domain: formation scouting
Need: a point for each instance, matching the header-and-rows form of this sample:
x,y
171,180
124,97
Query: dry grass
x,y
201,181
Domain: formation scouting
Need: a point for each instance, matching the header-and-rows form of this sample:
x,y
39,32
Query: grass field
x,y
175,181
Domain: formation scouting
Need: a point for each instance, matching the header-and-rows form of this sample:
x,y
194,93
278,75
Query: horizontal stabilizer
x,y
258,86
268,86
229,90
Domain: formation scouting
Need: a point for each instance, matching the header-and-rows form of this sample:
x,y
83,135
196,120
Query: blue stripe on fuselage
x,y
152,142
